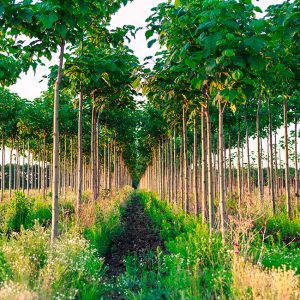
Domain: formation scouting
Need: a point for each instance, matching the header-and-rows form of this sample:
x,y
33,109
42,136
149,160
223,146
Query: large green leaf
x,y
48,19
256,43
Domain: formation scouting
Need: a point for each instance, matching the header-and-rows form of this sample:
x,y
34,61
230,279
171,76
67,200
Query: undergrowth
x,y
73,267
197,265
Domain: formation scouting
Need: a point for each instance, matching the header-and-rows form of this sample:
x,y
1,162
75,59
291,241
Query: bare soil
x,y
138,237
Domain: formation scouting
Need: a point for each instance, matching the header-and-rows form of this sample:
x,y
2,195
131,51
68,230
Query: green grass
x,y
72,268
193,266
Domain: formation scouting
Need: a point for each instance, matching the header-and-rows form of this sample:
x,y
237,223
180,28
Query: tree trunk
x,y
93,152
221,173
44,172
229,166
271,178
185,159
286,151
203,167
259,169
239,182
28,167
79,157
3,169
23,167
296,161
211,210
248,151
54,229
195,169
175,186
10,168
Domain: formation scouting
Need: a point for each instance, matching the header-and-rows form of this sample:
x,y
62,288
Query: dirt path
x,y
138,237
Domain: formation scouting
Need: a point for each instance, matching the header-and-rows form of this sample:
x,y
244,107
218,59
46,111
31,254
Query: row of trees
x,y
89,100
26,131
231,76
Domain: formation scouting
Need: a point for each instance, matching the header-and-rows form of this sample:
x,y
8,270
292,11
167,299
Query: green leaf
x,y
228,53
151,43
185,47
136,83
211,64
255,42
177,3
196,83
257,63
149,33
239,61
62,30
237,75
48,20
229,36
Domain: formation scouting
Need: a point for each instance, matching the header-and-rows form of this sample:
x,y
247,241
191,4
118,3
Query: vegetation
x,y
207,129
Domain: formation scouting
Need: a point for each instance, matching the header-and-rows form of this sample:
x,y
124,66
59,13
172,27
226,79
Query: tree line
x,y
223,76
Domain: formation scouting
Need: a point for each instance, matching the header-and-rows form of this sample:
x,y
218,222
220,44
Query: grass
x,y
196,265
73,268
260,259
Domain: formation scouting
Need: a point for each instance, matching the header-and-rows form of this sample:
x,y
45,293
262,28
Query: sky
x,y
135,13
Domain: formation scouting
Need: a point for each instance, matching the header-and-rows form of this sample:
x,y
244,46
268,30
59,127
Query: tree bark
x,y
79,157
296,161
221,173
248,151
195,173
211,209
239,182
54,229
286,151
259,169
185,162
3,168
271,181
203,167
10,168
28,167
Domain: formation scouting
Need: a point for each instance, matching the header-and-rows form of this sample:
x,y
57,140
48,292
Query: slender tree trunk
x,y
271,181
181,172
54,230
296,161
175,186
17,168
259,169
65,167
23,167
211,210
286,151
3,168
229,166
221,173
93,153
276,166
28,167
247,151
115,164
204,167
10,168
195,169
79,157
239,182
185,159
44,172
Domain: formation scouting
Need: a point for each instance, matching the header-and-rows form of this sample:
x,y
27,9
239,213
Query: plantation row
x,y
224,78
